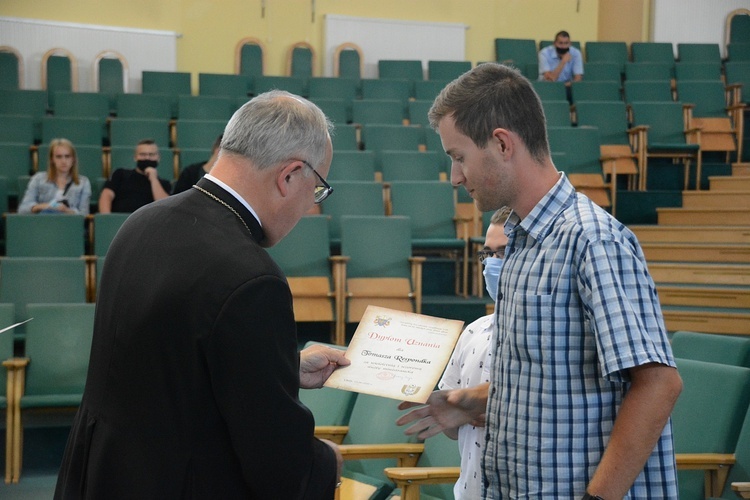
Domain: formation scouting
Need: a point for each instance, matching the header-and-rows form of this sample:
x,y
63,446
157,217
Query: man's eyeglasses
x,y
483,254
321,192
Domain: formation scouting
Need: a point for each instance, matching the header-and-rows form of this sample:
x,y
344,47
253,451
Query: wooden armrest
x,y
333,433
423,475
417,259
15,363
735,107
409,479
742,489
406,453
703,460
638,128
693,130
715,467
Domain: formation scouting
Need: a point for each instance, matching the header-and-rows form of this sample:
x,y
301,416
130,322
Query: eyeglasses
x,y
482,255
321,192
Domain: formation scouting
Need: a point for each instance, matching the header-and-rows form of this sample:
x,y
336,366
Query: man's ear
x,y
284,177
504,142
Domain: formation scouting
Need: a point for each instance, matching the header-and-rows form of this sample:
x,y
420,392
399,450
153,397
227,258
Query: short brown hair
x,y
490,96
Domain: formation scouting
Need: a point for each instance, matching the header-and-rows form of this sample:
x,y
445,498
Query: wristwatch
x,y
588,496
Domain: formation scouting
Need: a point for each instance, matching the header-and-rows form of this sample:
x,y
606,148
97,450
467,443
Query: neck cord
x,y
210,195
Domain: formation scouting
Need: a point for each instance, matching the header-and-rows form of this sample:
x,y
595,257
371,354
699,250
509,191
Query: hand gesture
x,y
316,364
444,410
151,173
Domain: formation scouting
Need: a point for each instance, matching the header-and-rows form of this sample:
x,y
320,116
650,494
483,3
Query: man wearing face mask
x,y
561,62
128,190
470,363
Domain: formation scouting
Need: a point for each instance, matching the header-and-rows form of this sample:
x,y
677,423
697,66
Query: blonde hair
x,y
500,216
52,170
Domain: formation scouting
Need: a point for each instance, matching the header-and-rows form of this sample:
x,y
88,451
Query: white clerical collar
x,y
235,194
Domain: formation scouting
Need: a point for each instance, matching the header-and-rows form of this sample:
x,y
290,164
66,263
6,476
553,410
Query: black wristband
x,y
588,496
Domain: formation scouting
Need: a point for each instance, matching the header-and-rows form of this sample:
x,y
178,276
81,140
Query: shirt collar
x,y
235,194
539,221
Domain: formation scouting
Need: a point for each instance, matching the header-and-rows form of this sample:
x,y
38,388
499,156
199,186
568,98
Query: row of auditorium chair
x,y
110,68
174,100
357,101
54,260
394,152
712,446
523,52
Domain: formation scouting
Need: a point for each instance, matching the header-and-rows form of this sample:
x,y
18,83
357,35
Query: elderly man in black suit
x,y
194,374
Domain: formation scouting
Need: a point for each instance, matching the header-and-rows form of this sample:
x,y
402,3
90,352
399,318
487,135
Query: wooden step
x,y
703,216
697,252
704,296
740,169
692,234
706,320
716,199
695,273
729,182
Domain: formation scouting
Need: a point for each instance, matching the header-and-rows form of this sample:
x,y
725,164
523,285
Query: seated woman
x,y
59,190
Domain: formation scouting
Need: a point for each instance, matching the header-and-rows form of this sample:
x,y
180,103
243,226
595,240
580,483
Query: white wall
x,y
391,39
693,21
143,49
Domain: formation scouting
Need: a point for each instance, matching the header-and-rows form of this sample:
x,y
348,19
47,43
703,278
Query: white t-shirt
x,y
469,366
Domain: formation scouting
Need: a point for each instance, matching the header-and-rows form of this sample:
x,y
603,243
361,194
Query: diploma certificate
x,y
397,354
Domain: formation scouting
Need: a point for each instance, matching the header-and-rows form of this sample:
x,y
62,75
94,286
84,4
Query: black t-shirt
x,y
189,176
132,190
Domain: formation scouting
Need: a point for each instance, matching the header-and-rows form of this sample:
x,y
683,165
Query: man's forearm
x,y
157,191
105,202
638,426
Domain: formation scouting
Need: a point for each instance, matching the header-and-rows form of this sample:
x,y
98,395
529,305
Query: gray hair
x,y
494,96
275,127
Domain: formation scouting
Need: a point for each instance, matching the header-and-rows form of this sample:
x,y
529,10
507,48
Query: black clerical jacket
x,y
194,373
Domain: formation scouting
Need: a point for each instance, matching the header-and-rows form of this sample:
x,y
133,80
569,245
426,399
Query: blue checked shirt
x,y
576,308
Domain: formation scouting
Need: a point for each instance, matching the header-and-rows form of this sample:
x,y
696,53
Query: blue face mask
x,y
492,266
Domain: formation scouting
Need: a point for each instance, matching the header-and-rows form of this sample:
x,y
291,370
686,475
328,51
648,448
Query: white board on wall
x,y
394,39
144,50
693,21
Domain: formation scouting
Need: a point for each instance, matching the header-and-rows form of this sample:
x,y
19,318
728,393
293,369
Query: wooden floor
x,y
726,253
691,234
727,216
716,199
699,257
730,183
700,273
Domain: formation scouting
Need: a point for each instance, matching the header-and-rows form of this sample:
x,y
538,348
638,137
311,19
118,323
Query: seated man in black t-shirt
x,y
128,190
193,173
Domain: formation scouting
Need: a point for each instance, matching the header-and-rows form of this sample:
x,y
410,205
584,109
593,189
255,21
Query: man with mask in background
x,y
128,190
561,62
470,363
